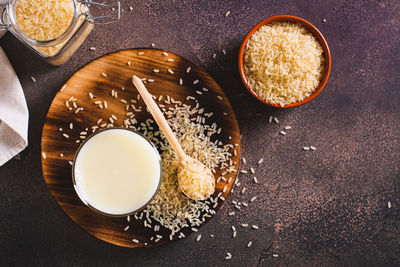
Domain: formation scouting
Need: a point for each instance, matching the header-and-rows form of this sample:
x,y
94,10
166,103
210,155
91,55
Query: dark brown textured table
x,y
322,207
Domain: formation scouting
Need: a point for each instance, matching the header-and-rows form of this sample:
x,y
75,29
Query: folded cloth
x,y
13,112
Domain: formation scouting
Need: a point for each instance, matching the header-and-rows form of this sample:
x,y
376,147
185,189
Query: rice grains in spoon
x,y
195,179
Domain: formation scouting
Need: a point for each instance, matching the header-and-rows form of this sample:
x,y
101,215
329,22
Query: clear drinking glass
x,y
57,51
83,198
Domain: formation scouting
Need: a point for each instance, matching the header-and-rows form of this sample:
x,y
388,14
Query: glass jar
x,y
57,51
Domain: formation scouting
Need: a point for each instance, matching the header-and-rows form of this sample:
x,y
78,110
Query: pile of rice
x,y
171,208
283,63
44,20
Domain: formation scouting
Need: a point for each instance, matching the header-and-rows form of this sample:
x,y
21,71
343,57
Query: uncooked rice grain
x,y
195,138
283,62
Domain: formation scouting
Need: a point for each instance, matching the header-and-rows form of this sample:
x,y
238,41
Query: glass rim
x,y
84,200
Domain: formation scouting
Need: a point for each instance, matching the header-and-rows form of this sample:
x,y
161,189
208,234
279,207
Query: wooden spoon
x,y
195,179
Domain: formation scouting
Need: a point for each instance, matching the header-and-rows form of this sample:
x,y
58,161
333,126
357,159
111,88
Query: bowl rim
x,y
310,27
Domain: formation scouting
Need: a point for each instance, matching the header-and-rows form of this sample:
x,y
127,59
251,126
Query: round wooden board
x,y
57,168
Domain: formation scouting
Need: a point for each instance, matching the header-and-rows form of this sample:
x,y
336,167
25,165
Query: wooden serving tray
x,y
57,168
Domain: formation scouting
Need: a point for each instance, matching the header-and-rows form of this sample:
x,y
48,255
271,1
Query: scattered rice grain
x,y
198,238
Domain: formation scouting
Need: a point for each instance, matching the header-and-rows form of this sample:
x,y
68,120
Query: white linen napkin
x,y
13,112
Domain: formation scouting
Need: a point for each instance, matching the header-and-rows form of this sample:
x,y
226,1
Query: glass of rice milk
x,y
116,172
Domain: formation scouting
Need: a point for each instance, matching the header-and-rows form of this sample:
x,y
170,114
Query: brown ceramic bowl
x,y
309,27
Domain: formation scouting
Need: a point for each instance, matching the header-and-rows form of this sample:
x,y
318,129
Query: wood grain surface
x,y
59,149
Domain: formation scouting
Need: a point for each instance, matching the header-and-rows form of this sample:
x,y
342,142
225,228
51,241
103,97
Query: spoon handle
x,y
158,116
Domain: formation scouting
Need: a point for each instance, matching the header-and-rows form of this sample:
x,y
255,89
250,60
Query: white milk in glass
x,y
117,171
